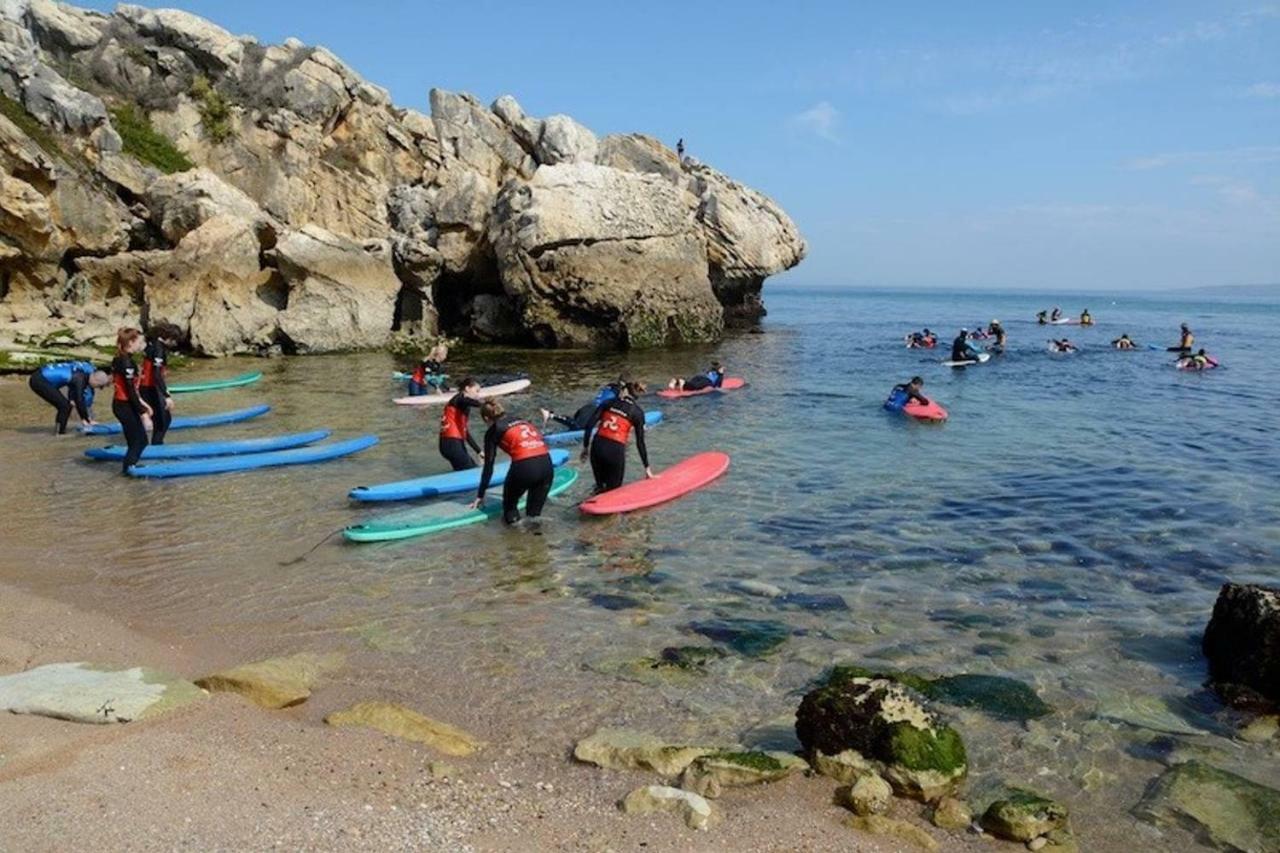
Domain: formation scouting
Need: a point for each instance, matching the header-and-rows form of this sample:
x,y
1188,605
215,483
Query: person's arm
x,y
719,379
75,390
467,405
158,358
589,429
918,397
490,453
637,420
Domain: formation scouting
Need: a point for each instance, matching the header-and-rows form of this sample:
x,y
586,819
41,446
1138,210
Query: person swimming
x,y
1124,342
455,431
153,379
80,378
127,404
429,372
713,378
607,446
1063,345
531,472
578,420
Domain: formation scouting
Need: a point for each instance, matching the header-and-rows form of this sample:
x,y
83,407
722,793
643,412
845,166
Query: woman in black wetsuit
x,y
153,382
455,429
127,405
607,446
578,420
531,470
713,378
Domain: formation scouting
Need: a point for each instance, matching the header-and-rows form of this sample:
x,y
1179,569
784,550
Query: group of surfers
x,y
1044,318
140,397
961,348
607,424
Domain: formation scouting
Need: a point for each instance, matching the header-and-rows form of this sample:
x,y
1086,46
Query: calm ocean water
x,y
1069,526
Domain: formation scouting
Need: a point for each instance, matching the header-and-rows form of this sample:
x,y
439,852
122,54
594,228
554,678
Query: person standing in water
x,y
1086,319
126,403
1186,340
80,378
997,331
455,427
607,447
153,384
531,471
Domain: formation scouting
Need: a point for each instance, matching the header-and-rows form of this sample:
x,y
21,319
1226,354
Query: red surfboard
x,y
731,383
919,411
680,479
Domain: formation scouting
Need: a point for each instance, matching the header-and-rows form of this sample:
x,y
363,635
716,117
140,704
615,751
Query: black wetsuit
x,y
153,386
455,432
905,388
710,379
75,376
617,419
960,349
531,470
579,419
127,406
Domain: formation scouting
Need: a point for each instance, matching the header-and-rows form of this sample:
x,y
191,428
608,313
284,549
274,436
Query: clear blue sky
x,y
1012,144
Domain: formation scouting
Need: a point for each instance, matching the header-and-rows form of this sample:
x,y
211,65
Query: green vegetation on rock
x,y
1023,815
215,111
940,749
998,696
28,124
145,142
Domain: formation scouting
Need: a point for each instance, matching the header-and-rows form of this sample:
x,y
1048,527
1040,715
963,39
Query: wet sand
x,y
224,774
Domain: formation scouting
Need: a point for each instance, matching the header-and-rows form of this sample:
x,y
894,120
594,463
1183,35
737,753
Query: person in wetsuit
x,y
1042,317
1086,319
997,331
153,383
531,471
80,378
1185,340
1063,345
607,446
429,372
961,350
455,428
713,378
578,420
126,403
912,390
1124,342
1056,314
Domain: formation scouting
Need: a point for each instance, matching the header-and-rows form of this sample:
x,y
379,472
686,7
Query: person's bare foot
x,y
546,415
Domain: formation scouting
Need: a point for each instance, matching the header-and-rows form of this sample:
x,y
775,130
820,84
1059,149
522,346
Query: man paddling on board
x,y
455,431
607,447
911,390
961,350
1124,342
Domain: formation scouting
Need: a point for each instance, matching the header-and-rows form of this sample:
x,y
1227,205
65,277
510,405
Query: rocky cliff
x,y
157,167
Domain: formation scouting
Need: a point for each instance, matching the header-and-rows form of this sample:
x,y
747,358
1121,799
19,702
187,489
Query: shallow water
x,y
1069,526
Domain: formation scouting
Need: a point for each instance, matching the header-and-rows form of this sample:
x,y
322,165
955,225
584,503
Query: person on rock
x,y
713,378
455,428
153,385
607,446
680,149
80,378
127,404
531,472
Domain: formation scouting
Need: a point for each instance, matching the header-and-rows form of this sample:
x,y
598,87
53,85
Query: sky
x,y
1054,145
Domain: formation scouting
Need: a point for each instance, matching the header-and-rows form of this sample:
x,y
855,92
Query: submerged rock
x,y
888,827
89,693
399,721
695,810
1242,643
1157,713
1222,808
691,657
275,682
1023,816
710,774
626,749
885,722
952,814
748,637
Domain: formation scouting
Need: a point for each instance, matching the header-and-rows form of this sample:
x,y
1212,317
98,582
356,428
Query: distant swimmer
x,y
1056,315
531,471
997,331
80,378
1197,361
922,340
1124,342
1186,340
1086,319
607,447
961,349
713,378
1063,345
429,372
1042,317
580,418
455,427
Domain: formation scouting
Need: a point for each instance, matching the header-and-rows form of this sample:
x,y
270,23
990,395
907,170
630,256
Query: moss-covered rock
x,y
711,774
1023,815
887,723
953,814
995,695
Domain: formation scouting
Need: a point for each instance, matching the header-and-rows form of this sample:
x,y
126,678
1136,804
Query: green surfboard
x,y
442,516
216,384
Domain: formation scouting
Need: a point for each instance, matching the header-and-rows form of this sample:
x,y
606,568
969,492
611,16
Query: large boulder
x,y
1242,643
887,725
181,202
211,46
563,140
57,104
595,256
342,295
636,152
477,138
89,693
749,238
64,27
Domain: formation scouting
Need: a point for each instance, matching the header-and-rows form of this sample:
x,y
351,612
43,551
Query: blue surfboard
x,y
249,461
575,435
218,419
440,484
200,449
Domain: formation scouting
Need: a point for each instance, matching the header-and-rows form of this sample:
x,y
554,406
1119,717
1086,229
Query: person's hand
x,y
146,423
475,504
168,404
649,475
481,455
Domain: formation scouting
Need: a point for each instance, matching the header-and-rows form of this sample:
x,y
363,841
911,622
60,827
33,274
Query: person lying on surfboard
x,y
1198,361
429,373
713,378
961,349
455,429
912,390
607,447
1124,342
1063,345
580,418
531,472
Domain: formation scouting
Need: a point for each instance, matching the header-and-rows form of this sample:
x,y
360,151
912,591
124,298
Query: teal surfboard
x,y
440,517
216,384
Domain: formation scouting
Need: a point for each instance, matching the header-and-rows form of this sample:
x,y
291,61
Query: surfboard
x,y
1065,321
442,516
1184,364
983,358
200,449
436,485
921,412
216,384
680,479
731,383
250,461
574,435
232,417
443,397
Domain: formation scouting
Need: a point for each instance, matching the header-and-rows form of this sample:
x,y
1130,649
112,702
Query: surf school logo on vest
x,y
615,426
522,441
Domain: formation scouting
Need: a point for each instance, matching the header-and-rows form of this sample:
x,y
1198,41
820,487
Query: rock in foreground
x,y
1223,809
1242,643
624,749
275,682
87,693
399,721
1023,816
695,811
